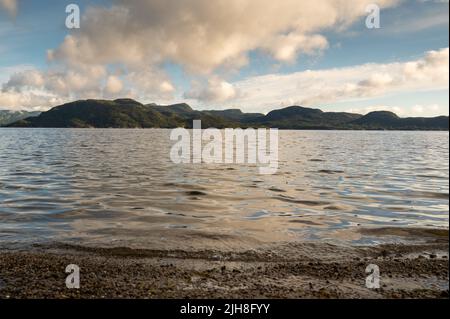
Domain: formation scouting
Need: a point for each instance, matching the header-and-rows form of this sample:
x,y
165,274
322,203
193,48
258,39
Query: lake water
x,y
119,188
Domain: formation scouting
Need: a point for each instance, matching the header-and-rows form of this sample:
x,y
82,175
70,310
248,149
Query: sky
x,y
256,55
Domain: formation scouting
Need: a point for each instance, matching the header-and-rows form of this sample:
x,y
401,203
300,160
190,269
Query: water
x,y
119,188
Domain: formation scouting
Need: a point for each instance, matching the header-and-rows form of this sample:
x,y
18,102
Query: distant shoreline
x,y
127,113
165,128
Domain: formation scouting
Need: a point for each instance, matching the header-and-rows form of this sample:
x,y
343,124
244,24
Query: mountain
x,y
235,115
390,121
128,113
180,109
96,113
297,117
121,113
8,117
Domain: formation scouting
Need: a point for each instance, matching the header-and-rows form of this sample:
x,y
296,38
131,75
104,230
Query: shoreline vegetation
x,y
415,268
128,113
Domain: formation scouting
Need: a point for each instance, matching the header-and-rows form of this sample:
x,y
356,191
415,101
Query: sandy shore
x,y
293,270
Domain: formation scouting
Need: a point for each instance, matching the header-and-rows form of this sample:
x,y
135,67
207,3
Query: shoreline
x,y
243,127
285,271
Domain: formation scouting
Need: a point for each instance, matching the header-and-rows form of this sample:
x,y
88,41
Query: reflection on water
x,y
119,187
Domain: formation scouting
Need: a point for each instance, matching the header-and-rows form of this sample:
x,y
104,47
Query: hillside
x,y
390,121
127,113
8,117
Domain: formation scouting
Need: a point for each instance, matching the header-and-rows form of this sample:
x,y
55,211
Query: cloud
x,y
22,80
32,88
425,110
10,6
216,91
113,85
50,87
122,49
203,35
35,100
414,111
365,110
361,82
430,72
150,84
81,82
285,48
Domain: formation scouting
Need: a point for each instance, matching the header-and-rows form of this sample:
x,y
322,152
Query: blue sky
x,y
336,65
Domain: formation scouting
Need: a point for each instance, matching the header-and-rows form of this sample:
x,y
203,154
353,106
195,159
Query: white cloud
x,y
286,47
120,49
113,85
362,82
150,84
35,100
25,79
203,35
364,110
217,90
52,86
166,87
7,72
414,111
427,110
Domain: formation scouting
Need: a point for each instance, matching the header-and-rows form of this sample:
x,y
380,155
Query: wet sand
x,y
291,270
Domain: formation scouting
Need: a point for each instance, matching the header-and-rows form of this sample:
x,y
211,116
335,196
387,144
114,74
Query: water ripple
x,y
119,186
